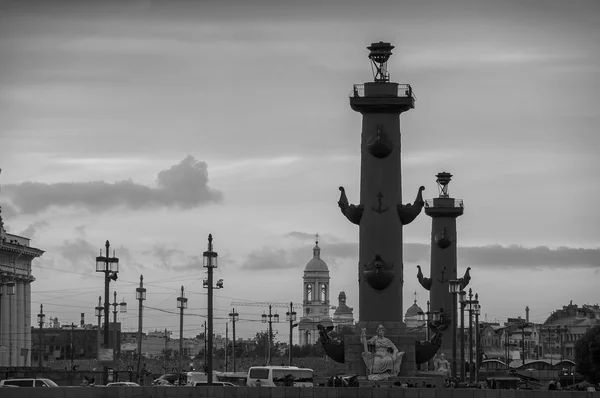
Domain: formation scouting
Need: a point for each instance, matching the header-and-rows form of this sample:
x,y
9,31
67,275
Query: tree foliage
x,y
587,355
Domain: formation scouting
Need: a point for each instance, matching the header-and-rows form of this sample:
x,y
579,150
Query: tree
x,y
261,343
587,355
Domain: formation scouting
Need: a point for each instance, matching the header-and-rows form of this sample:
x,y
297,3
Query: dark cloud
x,y
519,256
173,258
268,259
492,256
184,185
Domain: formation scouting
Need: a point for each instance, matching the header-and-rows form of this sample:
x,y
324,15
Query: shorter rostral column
x,y
380,214
443,211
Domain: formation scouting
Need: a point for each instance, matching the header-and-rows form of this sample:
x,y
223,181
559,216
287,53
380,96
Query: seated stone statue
x,y
442,365
385,361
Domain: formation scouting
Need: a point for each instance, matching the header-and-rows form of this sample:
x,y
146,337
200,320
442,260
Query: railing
x,y
457,203
404,90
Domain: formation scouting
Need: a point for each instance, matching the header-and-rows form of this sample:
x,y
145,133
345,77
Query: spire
x,y
415,294
317,249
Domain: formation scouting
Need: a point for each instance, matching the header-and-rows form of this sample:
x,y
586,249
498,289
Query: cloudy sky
x,y
154,123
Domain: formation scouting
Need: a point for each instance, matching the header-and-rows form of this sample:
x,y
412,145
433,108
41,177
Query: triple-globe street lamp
x,y
110,267
290,316
210,262
454,288
270,318
122,309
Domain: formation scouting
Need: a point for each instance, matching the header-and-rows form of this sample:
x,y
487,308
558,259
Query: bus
x,y
279,376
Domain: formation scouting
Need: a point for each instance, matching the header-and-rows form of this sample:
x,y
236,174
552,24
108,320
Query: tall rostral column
x,y
444,211
380,214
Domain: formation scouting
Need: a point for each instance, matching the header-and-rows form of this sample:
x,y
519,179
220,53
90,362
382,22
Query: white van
x,y
279,376
28,383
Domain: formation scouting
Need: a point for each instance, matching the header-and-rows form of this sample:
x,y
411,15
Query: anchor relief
x,y
378,273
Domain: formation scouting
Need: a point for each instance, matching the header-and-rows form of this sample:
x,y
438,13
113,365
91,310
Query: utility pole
x,y
234,316
166,348
181,304
71,349
205,366
140,295
226,343
41,319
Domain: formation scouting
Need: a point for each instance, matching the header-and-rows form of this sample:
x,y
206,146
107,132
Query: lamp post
x,y
454,287
122,308
41,318
204,365
140,295
99,310
271,318
110,267
476,312
233,316
291,318
210,262
463,302
427,319
181,304
470,305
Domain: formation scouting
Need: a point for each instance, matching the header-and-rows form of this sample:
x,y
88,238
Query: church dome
x,y
413,311
316,264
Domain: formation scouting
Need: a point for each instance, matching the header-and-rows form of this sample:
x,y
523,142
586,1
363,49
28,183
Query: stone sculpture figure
x,y
442,365
385,361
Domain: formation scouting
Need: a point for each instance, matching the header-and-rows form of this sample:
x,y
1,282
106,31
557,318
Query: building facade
x,y
16,256
343,315
315,303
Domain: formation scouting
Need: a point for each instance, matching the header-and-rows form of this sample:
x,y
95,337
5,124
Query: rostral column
x,y
380,214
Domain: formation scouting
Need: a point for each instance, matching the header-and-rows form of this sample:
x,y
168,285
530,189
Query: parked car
x,y
169,378
28,383
123,384
214,383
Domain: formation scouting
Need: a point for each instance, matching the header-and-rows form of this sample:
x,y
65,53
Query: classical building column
x,y
13,330
4,321
27,289
20,303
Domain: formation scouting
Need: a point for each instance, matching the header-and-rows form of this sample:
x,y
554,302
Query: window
x,y
259,373
20,383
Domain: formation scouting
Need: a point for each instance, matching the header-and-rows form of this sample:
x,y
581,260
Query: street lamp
x,y
110,267
470,308
270,318
140,295
234,317
476,312
426,318
99,309
181,304
41,318
122,308
210,262
290,316
463,302
454,288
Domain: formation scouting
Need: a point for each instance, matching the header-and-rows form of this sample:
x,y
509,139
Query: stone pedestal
x,y
395,332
